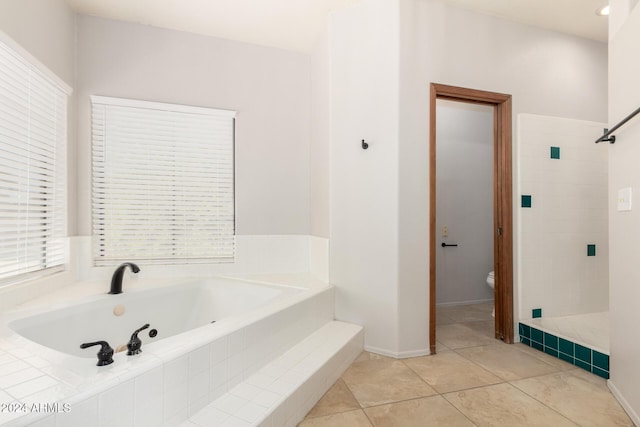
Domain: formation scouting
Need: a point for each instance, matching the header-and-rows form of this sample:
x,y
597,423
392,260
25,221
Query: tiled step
x,y
281,393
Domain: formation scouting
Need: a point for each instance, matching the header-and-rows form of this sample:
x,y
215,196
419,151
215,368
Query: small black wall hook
x,y
364,145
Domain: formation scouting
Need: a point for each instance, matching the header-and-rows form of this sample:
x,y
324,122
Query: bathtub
x,y
169,310
190,362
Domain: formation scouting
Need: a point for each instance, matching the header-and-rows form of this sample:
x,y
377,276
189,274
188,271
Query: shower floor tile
x,y
591,330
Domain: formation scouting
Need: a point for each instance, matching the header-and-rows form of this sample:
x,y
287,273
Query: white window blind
x,y
163,182
33,120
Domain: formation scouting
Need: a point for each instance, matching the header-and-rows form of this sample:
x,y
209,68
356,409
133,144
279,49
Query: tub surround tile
x,y
525,201
283,391
148,387
555,153
188,367
428,411
49,421
30,387
116,405
209,414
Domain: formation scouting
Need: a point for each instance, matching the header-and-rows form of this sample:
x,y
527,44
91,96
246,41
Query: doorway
x,y
502,205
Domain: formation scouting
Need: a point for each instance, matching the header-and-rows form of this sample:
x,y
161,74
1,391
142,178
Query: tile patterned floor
x,y
473,380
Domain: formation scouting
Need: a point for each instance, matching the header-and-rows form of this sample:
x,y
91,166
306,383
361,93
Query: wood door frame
x,y
502,204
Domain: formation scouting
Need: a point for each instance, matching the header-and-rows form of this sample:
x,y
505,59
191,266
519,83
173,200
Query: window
x,y
163,182
33,134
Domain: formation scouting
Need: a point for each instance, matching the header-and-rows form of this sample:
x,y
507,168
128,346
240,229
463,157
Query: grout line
x,y
542,403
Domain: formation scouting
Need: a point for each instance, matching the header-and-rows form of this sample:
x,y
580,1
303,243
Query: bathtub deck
x,y
282,392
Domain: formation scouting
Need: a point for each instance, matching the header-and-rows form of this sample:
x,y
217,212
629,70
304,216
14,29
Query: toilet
x,y
491,283
491,279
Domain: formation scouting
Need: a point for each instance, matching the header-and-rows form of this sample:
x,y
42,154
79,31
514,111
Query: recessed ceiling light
x,y
603,11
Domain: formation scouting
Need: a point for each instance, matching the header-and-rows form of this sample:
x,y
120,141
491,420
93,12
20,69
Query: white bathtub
x,y
189,364
170,310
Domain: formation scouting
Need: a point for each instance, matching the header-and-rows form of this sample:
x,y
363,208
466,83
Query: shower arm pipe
x,y
611,138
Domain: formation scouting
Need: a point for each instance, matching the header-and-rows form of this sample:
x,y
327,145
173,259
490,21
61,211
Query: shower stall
x,y
562,240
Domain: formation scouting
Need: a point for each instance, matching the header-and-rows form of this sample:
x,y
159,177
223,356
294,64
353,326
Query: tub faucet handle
x,y
105,355
134,344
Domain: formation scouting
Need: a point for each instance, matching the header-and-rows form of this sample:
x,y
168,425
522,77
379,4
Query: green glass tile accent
x,y
536,312
600,373
555,152
551,351
566,358
536,335
551,341
566,347
581,364
525,201
525,341
537,346
591,250
524,330
583,354
600,360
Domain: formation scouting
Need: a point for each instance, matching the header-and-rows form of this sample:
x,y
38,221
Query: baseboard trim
x,y
451,304
623,402
397,355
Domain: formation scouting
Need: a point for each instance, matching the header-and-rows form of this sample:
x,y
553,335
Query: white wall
x,y
46,29
268,87
464,201
546,72
364,183
319,151
568,212
624,227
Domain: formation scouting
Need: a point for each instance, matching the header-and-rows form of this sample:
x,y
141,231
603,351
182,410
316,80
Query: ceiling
x,y
295,24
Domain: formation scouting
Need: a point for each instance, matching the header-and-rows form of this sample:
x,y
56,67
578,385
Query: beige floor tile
x,y
376,382
458,335
507,361
443,319
504,405
578,395
344,419
467,313
365,355
448,371
429,411
337,399
441,347
483,327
